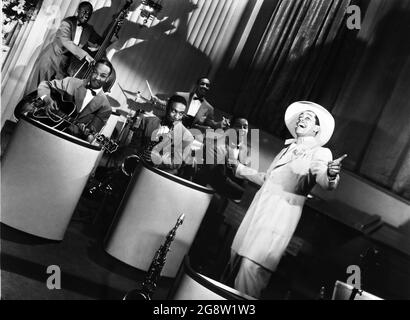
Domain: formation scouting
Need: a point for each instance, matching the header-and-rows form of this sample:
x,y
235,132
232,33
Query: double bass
x,y
82,69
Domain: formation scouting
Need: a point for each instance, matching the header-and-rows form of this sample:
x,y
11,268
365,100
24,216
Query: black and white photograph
x,y
219,152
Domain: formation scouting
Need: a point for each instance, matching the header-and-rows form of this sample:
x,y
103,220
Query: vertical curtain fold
x,y
293,46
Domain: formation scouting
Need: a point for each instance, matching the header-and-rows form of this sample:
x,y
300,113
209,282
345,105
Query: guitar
x,y
35,108
59,119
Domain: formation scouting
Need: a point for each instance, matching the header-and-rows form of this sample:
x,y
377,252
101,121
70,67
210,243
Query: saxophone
x,y
150,283
130,163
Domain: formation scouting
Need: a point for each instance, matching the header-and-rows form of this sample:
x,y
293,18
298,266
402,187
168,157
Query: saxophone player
x,y
164,142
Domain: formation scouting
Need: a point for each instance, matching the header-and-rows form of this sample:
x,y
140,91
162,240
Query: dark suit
x,y
173,149
54,61
205,115
96,112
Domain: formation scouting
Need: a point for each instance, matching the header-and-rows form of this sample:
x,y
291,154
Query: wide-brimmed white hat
x,y
326,120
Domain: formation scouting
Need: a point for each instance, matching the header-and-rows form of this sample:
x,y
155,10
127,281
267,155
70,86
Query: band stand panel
x,y
44,172
107,131
153,201
344,291
191,285
109,127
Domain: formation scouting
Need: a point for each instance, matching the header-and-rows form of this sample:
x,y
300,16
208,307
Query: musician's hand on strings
x,y
50,105
87,133
334,167
90,138
84,129
115,38
93,47
89,59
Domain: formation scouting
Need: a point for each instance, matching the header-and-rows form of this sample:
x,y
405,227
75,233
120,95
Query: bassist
x,y
75,39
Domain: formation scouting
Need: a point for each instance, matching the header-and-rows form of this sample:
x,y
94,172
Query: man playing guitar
x,y
82,99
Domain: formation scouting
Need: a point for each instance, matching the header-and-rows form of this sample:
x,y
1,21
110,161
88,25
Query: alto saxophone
x,y
130,163
150,283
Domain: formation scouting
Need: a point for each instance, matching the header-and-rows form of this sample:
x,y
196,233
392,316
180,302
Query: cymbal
x,y
135,94
135,105
130,92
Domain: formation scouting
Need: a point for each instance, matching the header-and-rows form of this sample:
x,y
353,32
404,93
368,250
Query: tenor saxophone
x,y
149,285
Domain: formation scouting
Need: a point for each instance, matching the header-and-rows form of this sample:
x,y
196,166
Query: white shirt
x,y
88,97
194,106
77,36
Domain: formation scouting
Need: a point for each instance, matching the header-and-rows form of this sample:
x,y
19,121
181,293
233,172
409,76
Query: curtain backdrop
x,y
187,40
306,52
373,107
295,46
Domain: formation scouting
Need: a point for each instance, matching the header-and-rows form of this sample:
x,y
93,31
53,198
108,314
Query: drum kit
x,y
112,179
137,106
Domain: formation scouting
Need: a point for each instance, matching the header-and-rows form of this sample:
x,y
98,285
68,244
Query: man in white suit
x,y
275,211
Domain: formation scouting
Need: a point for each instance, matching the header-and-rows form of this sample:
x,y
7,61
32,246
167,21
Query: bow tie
x,y
91,89
198,98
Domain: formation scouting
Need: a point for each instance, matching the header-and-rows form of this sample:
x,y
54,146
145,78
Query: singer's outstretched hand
x,y
333,167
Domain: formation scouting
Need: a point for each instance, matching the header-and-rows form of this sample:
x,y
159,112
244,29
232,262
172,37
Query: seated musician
x,y
200,113
89,101
165,142
229,149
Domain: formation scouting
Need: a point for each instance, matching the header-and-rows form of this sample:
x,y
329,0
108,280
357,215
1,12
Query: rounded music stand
x,y
152,199
191,285
344,291
44,172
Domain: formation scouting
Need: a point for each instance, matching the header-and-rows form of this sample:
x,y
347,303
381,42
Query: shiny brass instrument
x,y
150,283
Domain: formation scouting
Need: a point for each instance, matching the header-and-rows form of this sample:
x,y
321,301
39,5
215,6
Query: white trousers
x,y
252,278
